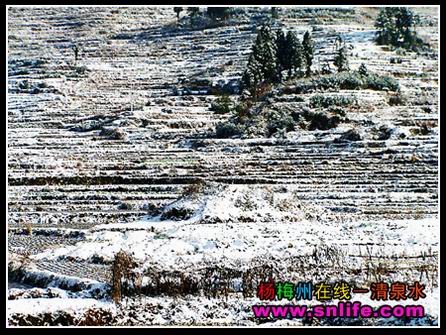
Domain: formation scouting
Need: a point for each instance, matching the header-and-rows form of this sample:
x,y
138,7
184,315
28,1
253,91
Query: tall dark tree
x,y
341,57
76,52
405,25
282,53
262,65
252,76
308,51
265,52
363,71
289,52
396,26
193,11
194,17
218,13
270,56
178,10
384,24
274,13
294,53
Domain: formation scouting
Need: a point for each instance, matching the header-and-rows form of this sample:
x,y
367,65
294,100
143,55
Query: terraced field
x,y
375,201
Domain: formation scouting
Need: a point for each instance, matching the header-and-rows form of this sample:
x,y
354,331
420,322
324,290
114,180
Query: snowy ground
x,y
240,227
243,222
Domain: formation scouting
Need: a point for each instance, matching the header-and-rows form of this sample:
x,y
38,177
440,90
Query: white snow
x,y
44,305
268,231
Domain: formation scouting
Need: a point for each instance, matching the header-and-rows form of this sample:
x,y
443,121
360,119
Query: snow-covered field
x,y
204,217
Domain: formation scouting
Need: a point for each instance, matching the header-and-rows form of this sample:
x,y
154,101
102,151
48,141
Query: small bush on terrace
x,y
396,99
242,110
325,102
194,189
348,80
29,229
321,121
339,111
235,126
113,133
279,121
351,82
228,129
222,105
381,83
177,214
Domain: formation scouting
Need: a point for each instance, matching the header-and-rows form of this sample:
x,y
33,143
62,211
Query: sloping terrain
x,y
100,147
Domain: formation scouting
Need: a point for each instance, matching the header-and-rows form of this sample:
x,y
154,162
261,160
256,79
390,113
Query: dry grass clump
x,y
194,189
122,275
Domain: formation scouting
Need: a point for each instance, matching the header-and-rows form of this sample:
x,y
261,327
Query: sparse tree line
x,y
214,13
283,56
279,56
396,27
272,54
275,54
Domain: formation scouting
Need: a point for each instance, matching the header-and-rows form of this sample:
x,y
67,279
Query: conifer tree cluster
x,y
396,26
193,11
178,10
272,54
290,53
214,13
218,13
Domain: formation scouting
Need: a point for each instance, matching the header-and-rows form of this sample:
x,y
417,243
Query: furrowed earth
x,y
116,151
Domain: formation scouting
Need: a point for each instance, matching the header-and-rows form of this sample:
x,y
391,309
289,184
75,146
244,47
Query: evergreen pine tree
x,y
308,51
404,24
252,76
363,71
289,53
266,54
262,65
218,13
178,10
274,13
385,26
193,11
396,26
282,53
294,53
194,16
341,60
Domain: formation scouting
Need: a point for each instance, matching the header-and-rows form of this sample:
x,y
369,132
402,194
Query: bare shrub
x,y
194,189
245,202
396,99
177,214
96,317
247,284
29,229
423,128
122,275
113,133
